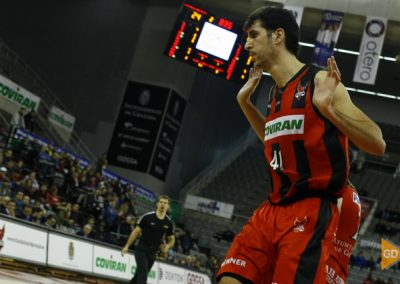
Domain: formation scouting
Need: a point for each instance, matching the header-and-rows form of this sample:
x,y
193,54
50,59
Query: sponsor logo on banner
x,y
151,276
390,254
370,50
139,120
196,278
70,253
22,242
61,119
327,37
168,135
110,262
16,94
168,274
297,12
209,206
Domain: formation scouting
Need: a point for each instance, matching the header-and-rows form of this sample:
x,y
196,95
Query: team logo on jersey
x,y
356,199
284,125
298,225
300,91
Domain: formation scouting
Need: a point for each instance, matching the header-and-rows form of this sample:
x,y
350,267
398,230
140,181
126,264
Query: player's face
x,y
163,205
259,44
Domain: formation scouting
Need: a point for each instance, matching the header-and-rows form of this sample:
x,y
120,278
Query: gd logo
x,y
390,254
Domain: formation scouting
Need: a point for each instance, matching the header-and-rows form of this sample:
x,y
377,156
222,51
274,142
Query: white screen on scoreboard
x,y
216,41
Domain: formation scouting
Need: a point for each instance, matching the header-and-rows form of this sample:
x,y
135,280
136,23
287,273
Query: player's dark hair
x,y
272,18
163,196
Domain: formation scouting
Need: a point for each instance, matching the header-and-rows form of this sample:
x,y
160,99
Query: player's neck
x,y
284,68
160,214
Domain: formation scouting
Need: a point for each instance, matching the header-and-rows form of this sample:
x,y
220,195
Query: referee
x,y
151,227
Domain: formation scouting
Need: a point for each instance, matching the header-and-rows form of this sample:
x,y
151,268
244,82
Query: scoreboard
x,y
209,42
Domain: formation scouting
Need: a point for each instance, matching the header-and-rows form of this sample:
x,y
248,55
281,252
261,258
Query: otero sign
x,y
61,118
18,95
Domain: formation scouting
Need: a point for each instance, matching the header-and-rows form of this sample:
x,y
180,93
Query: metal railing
x,y
16,69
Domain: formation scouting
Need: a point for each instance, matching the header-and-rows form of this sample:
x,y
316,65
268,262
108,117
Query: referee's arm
x,y
170,244
132,238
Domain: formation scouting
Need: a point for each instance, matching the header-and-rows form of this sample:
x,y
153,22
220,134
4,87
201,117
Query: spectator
x,y
369,279
186,242
360,260
3,204
41,194
75,214
86,232
11,209
38,216
17,121
52,197
102,163
371,263
227,235
27,187
18,171
30,121
127,225
51,222
26,214
64,212
5,188
26,200
19,201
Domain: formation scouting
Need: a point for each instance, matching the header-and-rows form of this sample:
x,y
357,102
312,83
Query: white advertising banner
x,y
108,261
70,253
169,274
209,206
192,277
152,277
61,119
16,94
370,50
297,12
22,242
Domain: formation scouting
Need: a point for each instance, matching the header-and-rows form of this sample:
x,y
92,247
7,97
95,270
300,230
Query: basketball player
x,y
310,117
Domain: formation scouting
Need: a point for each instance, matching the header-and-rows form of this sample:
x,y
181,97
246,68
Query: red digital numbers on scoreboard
x,y
225,24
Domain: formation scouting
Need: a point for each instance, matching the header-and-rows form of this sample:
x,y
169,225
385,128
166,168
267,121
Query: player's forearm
x,y
362,131
170,242
254,116
132,238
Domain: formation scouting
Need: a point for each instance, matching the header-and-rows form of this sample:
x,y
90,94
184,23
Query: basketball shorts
x,y
284,244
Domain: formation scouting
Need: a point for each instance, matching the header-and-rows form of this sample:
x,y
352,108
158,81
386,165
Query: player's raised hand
x,y
250,86
324,89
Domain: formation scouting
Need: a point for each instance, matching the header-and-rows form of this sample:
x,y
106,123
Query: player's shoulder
x,y
147,215
168,219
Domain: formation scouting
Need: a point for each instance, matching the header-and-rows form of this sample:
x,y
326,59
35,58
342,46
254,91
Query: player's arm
x,y
132,238
333,101
170,241
166,247
253,115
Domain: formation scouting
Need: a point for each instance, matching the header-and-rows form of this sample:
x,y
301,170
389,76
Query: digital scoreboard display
x,y
209,42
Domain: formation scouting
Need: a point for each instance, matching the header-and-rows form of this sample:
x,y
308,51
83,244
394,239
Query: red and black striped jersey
x,y
306,153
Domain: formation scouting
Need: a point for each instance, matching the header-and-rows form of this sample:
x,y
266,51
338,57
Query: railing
x,y
15,68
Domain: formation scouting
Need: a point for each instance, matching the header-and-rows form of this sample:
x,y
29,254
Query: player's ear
x,y
279,35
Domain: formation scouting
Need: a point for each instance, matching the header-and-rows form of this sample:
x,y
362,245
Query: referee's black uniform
x,y
153,232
